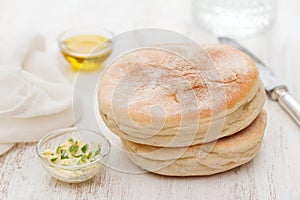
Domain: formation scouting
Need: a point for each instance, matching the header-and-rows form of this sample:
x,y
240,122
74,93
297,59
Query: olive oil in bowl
x,y
85,51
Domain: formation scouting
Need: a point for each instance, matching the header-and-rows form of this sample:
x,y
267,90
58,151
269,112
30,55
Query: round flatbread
x,y
162,98
199,160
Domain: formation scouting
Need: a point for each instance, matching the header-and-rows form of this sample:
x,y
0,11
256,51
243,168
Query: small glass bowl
x,y
86,61
77,173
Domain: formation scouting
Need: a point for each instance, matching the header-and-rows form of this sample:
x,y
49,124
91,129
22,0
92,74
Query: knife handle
x,y
288,103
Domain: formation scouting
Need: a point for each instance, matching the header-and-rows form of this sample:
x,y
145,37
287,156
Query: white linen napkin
x,y
35,98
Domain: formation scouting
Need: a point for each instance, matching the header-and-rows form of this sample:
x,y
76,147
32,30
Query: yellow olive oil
x,y
87,52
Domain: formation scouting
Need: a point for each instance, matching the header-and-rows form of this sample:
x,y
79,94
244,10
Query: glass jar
x,y
234,17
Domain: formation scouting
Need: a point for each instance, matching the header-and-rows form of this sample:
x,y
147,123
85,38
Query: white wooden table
x,y
273,174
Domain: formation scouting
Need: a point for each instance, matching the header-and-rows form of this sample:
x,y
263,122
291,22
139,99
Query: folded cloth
x,y
35,96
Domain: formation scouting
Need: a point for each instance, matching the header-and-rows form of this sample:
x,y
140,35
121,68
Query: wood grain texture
x,y
273,174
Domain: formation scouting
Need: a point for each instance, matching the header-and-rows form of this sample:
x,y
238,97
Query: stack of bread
x,y
178,117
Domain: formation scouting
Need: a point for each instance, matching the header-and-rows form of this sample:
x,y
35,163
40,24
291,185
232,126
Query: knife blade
x,y
276,90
